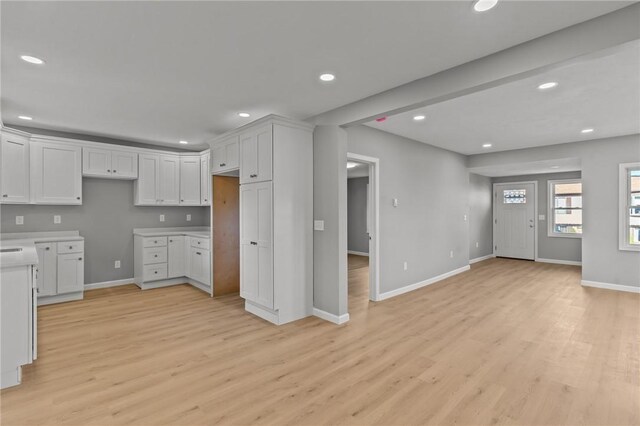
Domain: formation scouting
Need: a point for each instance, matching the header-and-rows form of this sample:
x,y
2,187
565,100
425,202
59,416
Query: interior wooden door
x,y
226,235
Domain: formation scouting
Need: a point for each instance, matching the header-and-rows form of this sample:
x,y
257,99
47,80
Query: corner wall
x,y
480,216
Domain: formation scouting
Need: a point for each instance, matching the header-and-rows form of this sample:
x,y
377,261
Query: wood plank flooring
x,y
509,342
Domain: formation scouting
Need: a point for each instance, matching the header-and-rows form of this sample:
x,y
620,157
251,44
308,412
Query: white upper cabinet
x,y
169,180
225,155
146,189
14,173
205,180
124,165
97,162
256,155
56,173
190,180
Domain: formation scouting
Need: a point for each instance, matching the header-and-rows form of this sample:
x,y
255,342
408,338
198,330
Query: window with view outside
x,y
567,208
634,207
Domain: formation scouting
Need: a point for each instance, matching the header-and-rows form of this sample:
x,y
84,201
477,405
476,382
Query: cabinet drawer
x,y
155,272
201,243
154,255
154,242
71,247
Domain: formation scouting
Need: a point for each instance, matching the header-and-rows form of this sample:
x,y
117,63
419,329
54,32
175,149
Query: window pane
x,y
514,196
568,201
568,221
568,188
635,187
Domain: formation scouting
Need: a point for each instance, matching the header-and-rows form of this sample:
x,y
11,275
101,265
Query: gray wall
x,y
330,205
357,237
556,248
480,216
602,261
106,220
431,185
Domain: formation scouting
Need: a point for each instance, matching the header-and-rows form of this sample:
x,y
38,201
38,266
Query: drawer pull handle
x,y
70,247
253,176
253,243
223,164
198,253
5,195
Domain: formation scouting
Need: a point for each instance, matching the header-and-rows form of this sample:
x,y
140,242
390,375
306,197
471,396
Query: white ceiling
x,y
601,93
157,72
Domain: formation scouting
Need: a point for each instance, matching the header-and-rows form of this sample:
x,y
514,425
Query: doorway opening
x,y
362,228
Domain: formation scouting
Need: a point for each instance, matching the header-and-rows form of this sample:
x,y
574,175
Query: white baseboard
x,y
106,284
481,258
609,286
358,253
559,262
330,317
421,284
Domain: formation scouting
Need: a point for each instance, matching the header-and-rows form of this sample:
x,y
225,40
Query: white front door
x,y
514,220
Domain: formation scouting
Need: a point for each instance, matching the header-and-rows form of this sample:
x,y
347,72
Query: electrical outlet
x,y
188,218
19,220
451,254
116,264
465,217
57,219
406,266
477,244
161,218
395,202
318,225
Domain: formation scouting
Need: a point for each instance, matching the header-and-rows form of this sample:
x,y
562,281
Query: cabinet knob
x,y
182,201
253,176
198,242
47,248
77,198
155,255
70,247
79,258
205,200
114,170
170,241
155,242
155,272
108,171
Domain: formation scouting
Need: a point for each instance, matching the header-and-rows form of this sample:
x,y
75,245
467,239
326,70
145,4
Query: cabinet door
x,y
70,272
225,155
14,169
232,153
218,158
169,182
176,261
205,181
47,269
190,181
197,264
256,155
96,162
256,243
124,164
147,184
56,173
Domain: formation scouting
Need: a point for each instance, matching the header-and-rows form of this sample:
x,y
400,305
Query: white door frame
x,y
374,241
535,213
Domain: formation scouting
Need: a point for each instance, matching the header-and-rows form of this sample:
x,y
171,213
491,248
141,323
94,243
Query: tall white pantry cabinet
x,y
276,217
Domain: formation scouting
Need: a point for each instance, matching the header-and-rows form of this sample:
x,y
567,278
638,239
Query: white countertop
x,y
26,256
27,242
189,231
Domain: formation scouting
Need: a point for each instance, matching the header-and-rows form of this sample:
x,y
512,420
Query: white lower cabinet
x,y
60,276
70,273
167,259
176,265
47,278
256,243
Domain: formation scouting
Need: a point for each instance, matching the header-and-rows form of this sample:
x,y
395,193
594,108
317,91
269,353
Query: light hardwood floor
x,y
509,342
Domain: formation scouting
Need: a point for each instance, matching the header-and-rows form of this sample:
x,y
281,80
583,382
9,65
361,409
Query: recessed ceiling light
x,y
25,117
549,85
419,117
486,145
484,5
589,130
184,142
244,114
32,59
327,77
351,165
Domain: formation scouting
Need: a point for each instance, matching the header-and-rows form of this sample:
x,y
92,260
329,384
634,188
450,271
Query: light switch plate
x,y
116,264
541,217
161,218
57,219
318,225
19,220
188,218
